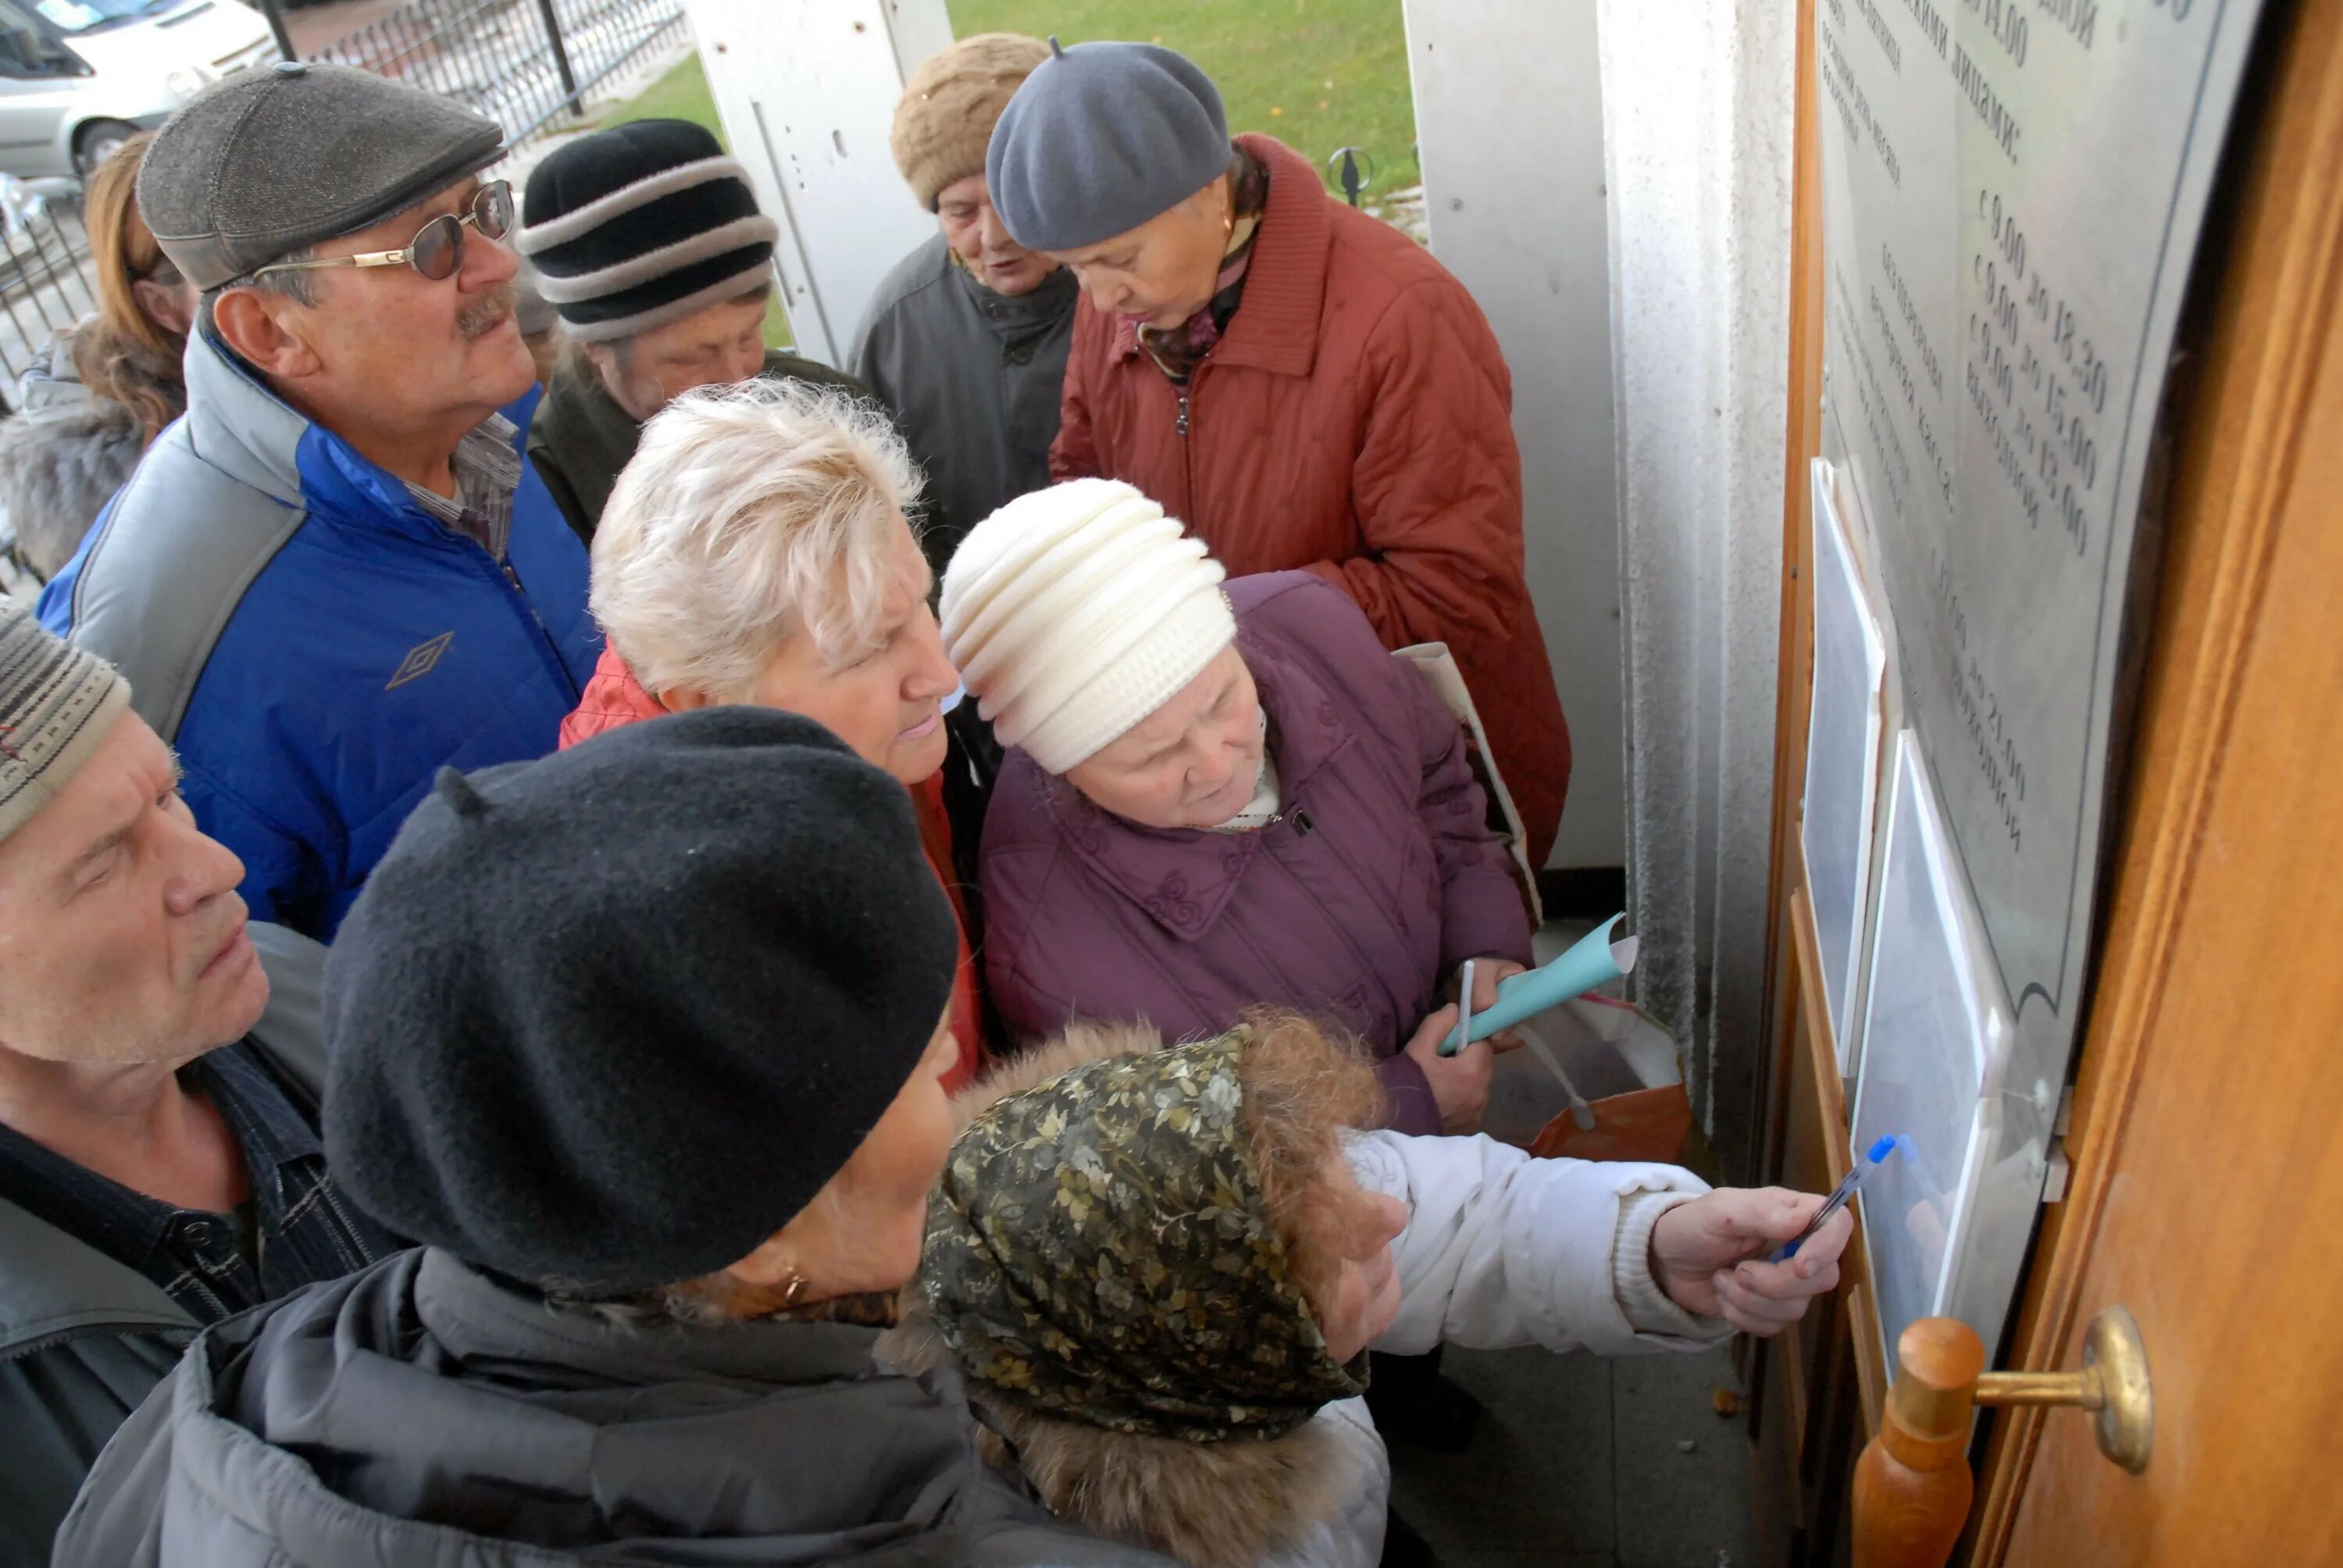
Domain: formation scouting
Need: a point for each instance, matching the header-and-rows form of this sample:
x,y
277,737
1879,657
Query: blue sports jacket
x,y
314,643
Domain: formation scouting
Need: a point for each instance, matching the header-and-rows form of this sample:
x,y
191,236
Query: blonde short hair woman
x,y
757,551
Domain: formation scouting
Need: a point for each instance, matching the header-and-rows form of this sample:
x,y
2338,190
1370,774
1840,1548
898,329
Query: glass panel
x,y
1933,1031
1842,761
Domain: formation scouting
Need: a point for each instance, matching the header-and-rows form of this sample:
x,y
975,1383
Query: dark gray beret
x,y
615,1015
1101,138
280,158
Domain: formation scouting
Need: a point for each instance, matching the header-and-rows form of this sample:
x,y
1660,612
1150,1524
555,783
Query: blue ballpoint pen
x,y
1879,1151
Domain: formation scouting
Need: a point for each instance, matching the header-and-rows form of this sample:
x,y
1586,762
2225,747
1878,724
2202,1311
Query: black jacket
x,y
580,437
419,1413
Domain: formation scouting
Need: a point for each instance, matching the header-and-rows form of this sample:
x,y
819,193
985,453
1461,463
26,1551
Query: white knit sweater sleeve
x,y
1503,1249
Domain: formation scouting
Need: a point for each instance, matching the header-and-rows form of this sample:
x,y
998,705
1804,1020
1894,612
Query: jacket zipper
x,y
1181,427
513,578
1182,421
112,1329
333,1201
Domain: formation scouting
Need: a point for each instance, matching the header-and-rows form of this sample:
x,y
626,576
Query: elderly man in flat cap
x,y
966,340
647,238
1304,386
160,1168
336,574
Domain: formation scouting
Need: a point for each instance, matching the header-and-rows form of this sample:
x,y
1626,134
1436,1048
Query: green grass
x,y
1317,75
680,94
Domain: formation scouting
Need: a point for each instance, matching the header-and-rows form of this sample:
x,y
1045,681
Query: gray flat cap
x,y
1101,138
280,158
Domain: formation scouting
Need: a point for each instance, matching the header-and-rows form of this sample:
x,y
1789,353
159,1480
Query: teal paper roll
x,y
1595,960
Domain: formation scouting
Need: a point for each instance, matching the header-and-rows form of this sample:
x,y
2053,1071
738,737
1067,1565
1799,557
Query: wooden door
x,y
2207,1138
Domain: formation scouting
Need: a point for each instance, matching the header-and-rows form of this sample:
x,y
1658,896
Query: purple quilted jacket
x,y
1377,880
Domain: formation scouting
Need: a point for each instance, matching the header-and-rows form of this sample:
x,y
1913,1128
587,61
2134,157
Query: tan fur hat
x,y
950,105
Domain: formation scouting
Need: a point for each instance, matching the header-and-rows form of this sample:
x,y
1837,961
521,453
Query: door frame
x,y
2240,416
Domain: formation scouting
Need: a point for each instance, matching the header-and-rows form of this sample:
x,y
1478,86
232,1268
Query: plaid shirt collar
x,y
486,464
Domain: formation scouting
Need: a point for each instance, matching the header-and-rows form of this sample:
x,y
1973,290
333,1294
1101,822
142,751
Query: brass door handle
x,y
2112,1384
1913,1485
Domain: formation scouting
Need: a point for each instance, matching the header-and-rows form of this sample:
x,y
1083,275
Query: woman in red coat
x,y
1300,383
755,550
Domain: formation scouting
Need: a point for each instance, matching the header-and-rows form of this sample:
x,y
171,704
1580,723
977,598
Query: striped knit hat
x,y
57,705
642,224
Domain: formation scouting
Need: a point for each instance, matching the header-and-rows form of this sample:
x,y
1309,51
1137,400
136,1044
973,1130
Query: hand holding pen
x,y
1873,1157
1711,1255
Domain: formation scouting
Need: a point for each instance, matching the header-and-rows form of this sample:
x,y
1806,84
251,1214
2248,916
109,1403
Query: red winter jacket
x,y
1354,420
615,698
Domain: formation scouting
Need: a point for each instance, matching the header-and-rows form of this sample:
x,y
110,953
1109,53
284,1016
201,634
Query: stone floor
x,y
1585,1461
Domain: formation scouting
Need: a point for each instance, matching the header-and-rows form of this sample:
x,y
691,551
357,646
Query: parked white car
x,y
79,77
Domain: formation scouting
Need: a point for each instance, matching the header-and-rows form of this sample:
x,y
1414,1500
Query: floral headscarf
x,y
1099,1249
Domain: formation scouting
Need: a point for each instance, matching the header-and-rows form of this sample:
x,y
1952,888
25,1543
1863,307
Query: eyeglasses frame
x,y
405,258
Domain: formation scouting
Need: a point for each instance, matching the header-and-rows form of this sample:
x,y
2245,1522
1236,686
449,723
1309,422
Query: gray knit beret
x,y
279,158
57,705
1101,138
615,1015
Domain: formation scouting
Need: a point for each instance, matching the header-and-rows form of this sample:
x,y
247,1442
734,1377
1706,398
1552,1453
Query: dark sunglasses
x,y
437,248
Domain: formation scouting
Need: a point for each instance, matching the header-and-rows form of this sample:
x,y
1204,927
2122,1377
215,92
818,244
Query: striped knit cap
x,y
57,705
642,224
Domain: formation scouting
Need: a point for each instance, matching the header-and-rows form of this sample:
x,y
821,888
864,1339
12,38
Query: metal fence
x,y
44,277
524,64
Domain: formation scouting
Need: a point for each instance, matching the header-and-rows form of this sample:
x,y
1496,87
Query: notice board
x,y
2013,197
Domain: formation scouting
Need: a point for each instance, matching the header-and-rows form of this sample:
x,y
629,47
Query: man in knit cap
x,y
1303,385
647,239
966,340
160,1167
335,573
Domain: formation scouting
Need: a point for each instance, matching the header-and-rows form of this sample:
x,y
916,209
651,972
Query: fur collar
x,y
1210,1505
1080,1044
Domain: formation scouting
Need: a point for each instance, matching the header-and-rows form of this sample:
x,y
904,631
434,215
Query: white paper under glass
x,y
1936,1038
1842,763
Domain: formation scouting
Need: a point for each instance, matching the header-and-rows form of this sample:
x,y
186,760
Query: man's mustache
x,y
488,312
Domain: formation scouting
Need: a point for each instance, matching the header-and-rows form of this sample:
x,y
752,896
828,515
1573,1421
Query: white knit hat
x,y
1074,612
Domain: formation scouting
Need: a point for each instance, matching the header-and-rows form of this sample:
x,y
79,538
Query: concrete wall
x,y
1698,99
1509,125
807,90
1612,180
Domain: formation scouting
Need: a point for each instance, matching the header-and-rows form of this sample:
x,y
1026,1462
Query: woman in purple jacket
x,y
1220,799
